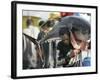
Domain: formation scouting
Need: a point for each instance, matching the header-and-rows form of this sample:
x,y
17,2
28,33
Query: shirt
x,y
64,49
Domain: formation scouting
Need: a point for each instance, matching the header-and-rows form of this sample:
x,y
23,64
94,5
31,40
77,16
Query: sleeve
x,y
58,46
39,36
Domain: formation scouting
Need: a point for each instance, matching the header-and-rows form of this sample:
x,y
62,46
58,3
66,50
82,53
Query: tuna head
x,y
79,26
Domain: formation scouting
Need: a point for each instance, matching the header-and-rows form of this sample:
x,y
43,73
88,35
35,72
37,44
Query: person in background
x,y
64,46
29,51
31,30
87,58
45,28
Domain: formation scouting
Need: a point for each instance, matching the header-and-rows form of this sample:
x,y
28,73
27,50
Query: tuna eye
x,y
75,29
85,32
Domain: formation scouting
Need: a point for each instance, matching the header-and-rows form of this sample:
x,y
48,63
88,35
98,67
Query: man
x,y
31,30
45,28
64,46
29,48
